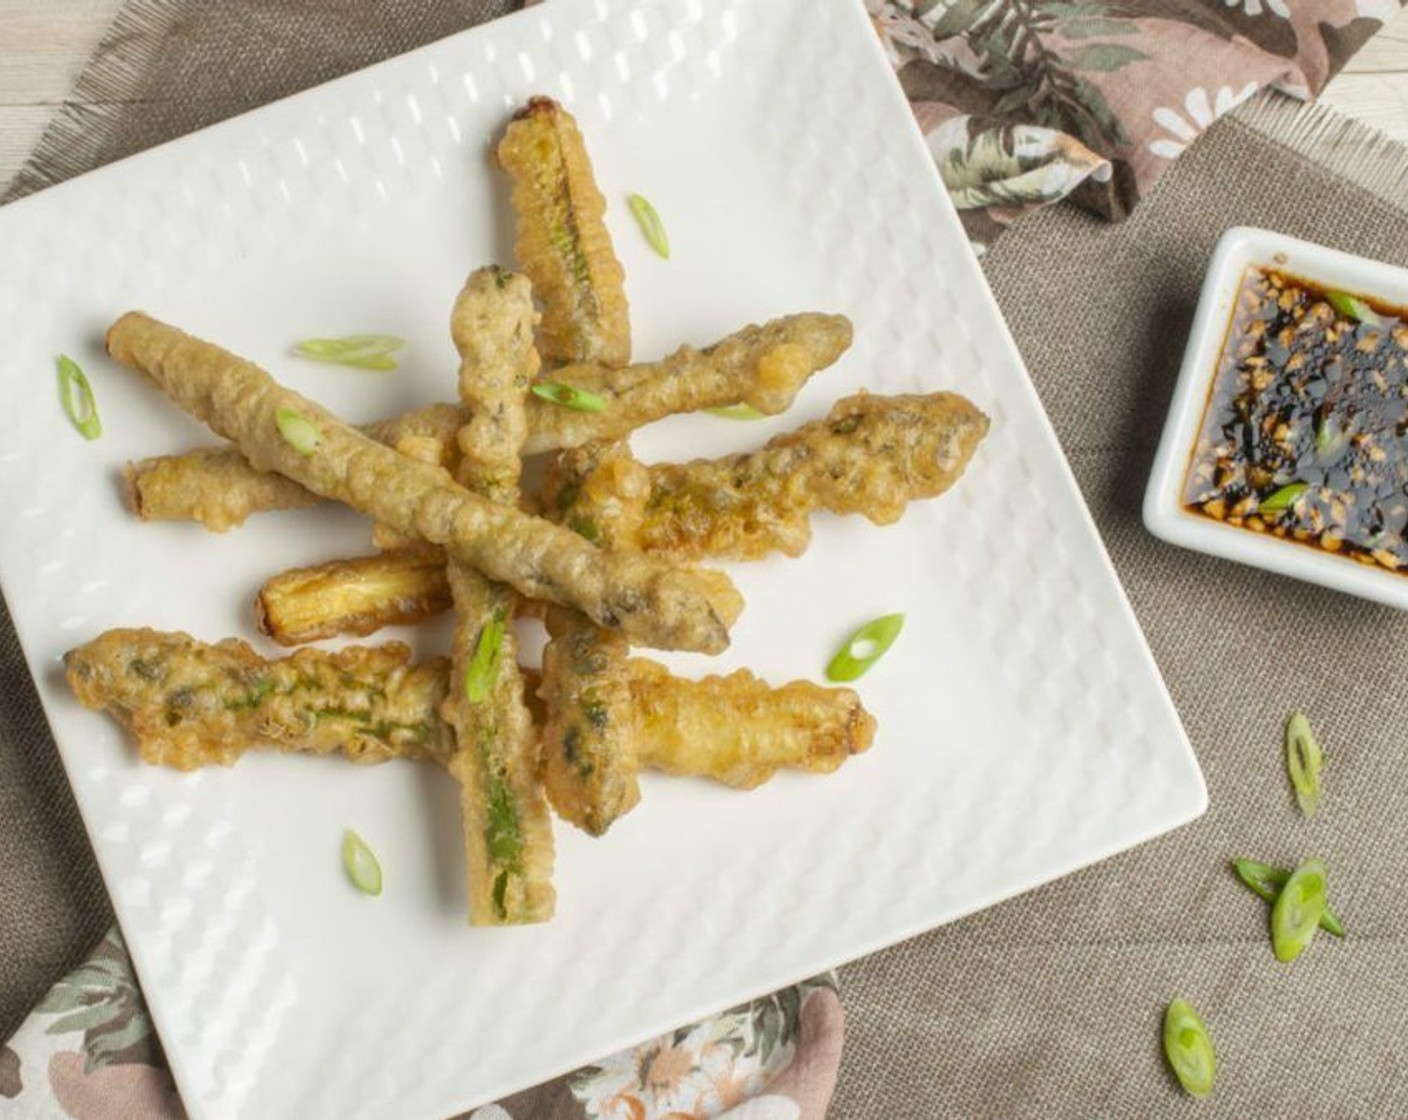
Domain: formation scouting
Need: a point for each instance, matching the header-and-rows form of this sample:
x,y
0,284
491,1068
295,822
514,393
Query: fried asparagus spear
x,y
508,832
762,366
872,455
562,241
652,602
189,704
589,754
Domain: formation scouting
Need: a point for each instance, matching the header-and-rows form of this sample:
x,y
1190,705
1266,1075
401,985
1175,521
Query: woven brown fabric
x,y
1049,1006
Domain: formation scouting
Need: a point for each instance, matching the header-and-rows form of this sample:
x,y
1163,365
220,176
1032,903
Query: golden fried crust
x,y
218,487
739,731
562,242
355,597
762,366
589,754
651,602
507,830
188,704
872,455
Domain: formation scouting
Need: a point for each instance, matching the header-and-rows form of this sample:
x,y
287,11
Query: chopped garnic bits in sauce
x,y
1306,431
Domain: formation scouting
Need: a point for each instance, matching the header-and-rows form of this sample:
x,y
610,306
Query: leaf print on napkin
x,y
1201,110
101,999
986,163
1255,7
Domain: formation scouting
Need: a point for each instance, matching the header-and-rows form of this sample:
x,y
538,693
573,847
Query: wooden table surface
x,y
43,44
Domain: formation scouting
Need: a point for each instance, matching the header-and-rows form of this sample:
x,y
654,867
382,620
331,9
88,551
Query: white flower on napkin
x,y
1201,110
1253,7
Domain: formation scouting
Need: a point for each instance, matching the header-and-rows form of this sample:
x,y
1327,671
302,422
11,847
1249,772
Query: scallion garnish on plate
x,y
361,864
650,224
1266,882
1354,308
569,396
298,431
1304,761
864,648
361,351
484,665
1283,498
76,396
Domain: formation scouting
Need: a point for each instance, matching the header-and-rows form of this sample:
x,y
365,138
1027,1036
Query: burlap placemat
x,y
1047,1006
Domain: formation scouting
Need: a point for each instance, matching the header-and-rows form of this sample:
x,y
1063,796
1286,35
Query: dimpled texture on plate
x,y
1024,731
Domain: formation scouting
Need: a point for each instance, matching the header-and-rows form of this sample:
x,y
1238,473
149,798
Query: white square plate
x,y
1024,730
1165,514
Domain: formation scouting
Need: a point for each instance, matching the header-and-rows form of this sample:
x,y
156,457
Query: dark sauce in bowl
x,y
1305,435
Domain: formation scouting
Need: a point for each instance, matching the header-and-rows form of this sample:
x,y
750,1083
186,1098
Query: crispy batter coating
x,y
562,241
740,731
872,455
508,832
354,597
650,601
762,366
188,704
218,487
589,753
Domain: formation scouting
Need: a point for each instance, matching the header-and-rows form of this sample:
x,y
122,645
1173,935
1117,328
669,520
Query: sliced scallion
x,y
736,412
1354,308
864,648
298,431
1304,761
1188,1047
483,668
76,396
361,351
361,863
650,224
1283,498
1296,913
1266,882
569,396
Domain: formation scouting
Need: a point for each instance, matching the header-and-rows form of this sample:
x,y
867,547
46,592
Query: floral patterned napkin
x,y
1022,102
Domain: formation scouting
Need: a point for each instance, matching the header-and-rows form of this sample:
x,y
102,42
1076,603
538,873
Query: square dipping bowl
x,y
1165,513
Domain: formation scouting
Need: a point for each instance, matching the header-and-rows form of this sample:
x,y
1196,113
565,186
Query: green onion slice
x,y
864,648
1296,913
1283,498
361,864
361,351
298,431
76,395
650,224
1266,882
483,668
737,412
569,396
1304,761
1354,308
1188,1047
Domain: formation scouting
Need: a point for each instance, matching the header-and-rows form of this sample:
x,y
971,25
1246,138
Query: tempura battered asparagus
x,y
562,242
651,602
188,704
508,834
872,455
218,487
589,753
